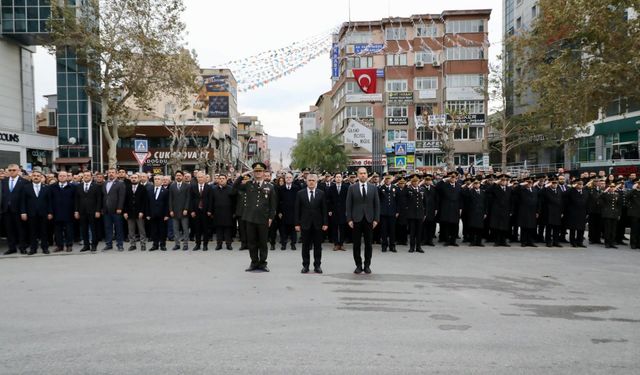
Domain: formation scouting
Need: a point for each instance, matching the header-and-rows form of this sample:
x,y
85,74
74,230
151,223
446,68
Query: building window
x,y
52,118
518,22
465,53
426,57
587,149
395,85
534,11
397,59
358,37
395,33
466,106
425,134
359,62
465,80
426,31
359,111
464,26
425,83
397,111
469,133
351,87
425,108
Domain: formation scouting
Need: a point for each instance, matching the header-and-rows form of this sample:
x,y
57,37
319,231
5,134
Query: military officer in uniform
x,y
259,214
611,206
388,214
416,202
633,211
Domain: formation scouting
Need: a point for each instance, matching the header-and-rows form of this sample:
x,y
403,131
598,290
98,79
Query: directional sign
x,y
141,157
141,145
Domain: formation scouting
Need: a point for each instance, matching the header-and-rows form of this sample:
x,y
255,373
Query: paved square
x,y
450,311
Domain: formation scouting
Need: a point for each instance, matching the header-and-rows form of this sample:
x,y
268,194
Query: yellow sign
x,y
411,159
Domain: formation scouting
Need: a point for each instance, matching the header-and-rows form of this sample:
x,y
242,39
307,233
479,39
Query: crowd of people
x,y
260,209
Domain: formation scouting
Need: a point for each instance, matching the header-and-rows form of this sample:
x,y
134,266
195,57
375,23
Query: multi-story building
x,y
20,24
308,121
426,65
254,141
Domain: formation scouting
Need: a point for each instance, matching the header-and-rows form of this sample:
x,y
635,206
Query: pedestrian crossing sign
x,y
141,145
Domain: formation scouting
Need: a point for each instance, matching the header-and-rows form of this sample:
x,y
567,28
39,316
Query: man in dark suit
x,y
416,202
476,209
200,211
311,219
575,208
337,204
13,187
88,207
528,212
37,211
500,210
552,200
135,208
450,199
363,215
63,196
179,205
113,193
286,207
431,210
221,208
158,214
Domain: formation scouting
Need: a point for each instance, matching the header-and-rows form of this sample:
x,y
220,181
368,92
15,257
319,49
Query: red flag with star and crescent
x,y
366,79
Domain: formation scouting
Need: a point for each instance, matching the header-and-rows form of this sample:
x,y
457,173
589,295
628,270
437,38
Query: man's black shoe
x,y
367,270
9,252
197,247
393,250
317,270
251,268
273,246
293,246
205,247
304,270
45,251
358,270
264,269
175,247
229,247
153,248
219,247
419,251
283,247
84,249
411,250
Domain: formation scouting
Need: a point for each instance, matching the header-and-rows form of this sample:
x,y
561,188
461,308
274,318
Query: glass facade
x,y
25,16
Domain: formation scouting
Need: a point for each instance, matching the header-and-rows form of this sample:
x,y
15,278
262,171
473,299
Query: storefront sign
x,y
366,162
9,137
428,145
358,135
400,97
398,121
363,98
400,149
367,48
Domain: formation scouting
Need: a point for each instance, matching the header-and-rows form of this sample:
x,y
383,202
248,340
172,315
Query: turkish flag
x,y
366,79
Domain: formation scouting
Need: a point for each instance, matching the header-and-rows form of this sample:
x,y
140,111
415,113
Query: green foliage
x,y
320,152
578,56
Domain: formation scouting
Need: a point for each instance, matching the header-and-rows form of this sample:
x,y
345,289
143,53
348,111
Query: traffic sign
x,y
141,145
141,157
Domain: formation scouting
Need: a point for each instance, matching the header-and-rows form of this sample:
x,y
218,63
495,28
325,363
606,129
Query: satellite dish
x,y
72,140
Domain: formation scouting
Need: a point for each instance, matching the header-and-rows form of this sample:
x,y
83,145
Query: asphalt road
x,y
450,311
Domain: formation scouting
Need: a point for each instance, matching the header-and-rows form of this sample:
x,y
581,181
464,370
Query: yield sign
x,y
141,157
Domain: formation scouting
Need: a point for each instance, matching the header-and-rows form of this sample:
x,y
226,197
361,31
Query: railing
x,y
528,169
609,163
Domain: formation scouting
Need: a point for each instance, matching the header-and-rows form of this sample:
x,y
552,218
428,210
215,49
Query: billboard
x,y
335,61
218,106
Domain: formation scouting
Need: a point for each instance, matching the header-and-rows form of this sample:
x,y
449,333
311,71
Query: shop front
x,y
27,150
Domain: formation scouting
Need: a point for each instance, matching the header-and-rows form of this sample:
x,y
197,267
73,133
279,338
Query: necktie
x,y
12,183
364,192
86,187
504,188
37,190
134,188
61,186
338,189
311,200
157,190
200,189
179,184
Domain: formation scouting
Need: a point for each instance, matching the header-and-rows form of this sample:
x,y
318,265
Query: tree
x,y
179,141
445,129
319,151
133,51
508,132
204,162
578,57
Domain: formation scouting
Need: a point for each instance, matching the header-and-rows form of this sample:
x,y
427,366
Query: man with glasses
x,y
13,187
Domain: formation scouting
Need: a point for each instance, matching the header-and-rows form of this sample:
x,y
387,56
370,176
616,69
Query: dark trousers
x,y
38,232
540,233
621,227
595,227
450,232
500,236
223,234
113,222
312,236
634,242
257,236
415,233
552,234
338,233
288,233
527,236
16,231
576,236
64,233
200,228
362,229
401,232
273,231
429,231
388,231
242,232
610,227
475,236
158,231
88,225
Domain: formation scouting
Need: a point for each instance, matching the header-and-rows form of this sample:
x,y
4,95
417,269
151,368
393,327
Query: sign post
x,y
141,151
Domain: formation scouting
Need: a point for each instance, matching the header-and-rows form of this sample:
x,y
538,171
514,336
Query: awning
x,y
72,161
618,126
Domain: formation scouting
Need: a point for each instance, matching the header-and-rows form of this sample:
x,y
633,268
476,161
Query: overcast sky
x,y
221,31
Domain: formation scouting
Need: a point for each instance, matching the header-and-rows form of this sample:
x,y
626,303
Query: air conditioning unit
x,y
436,63
356,145
419,64
350,48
